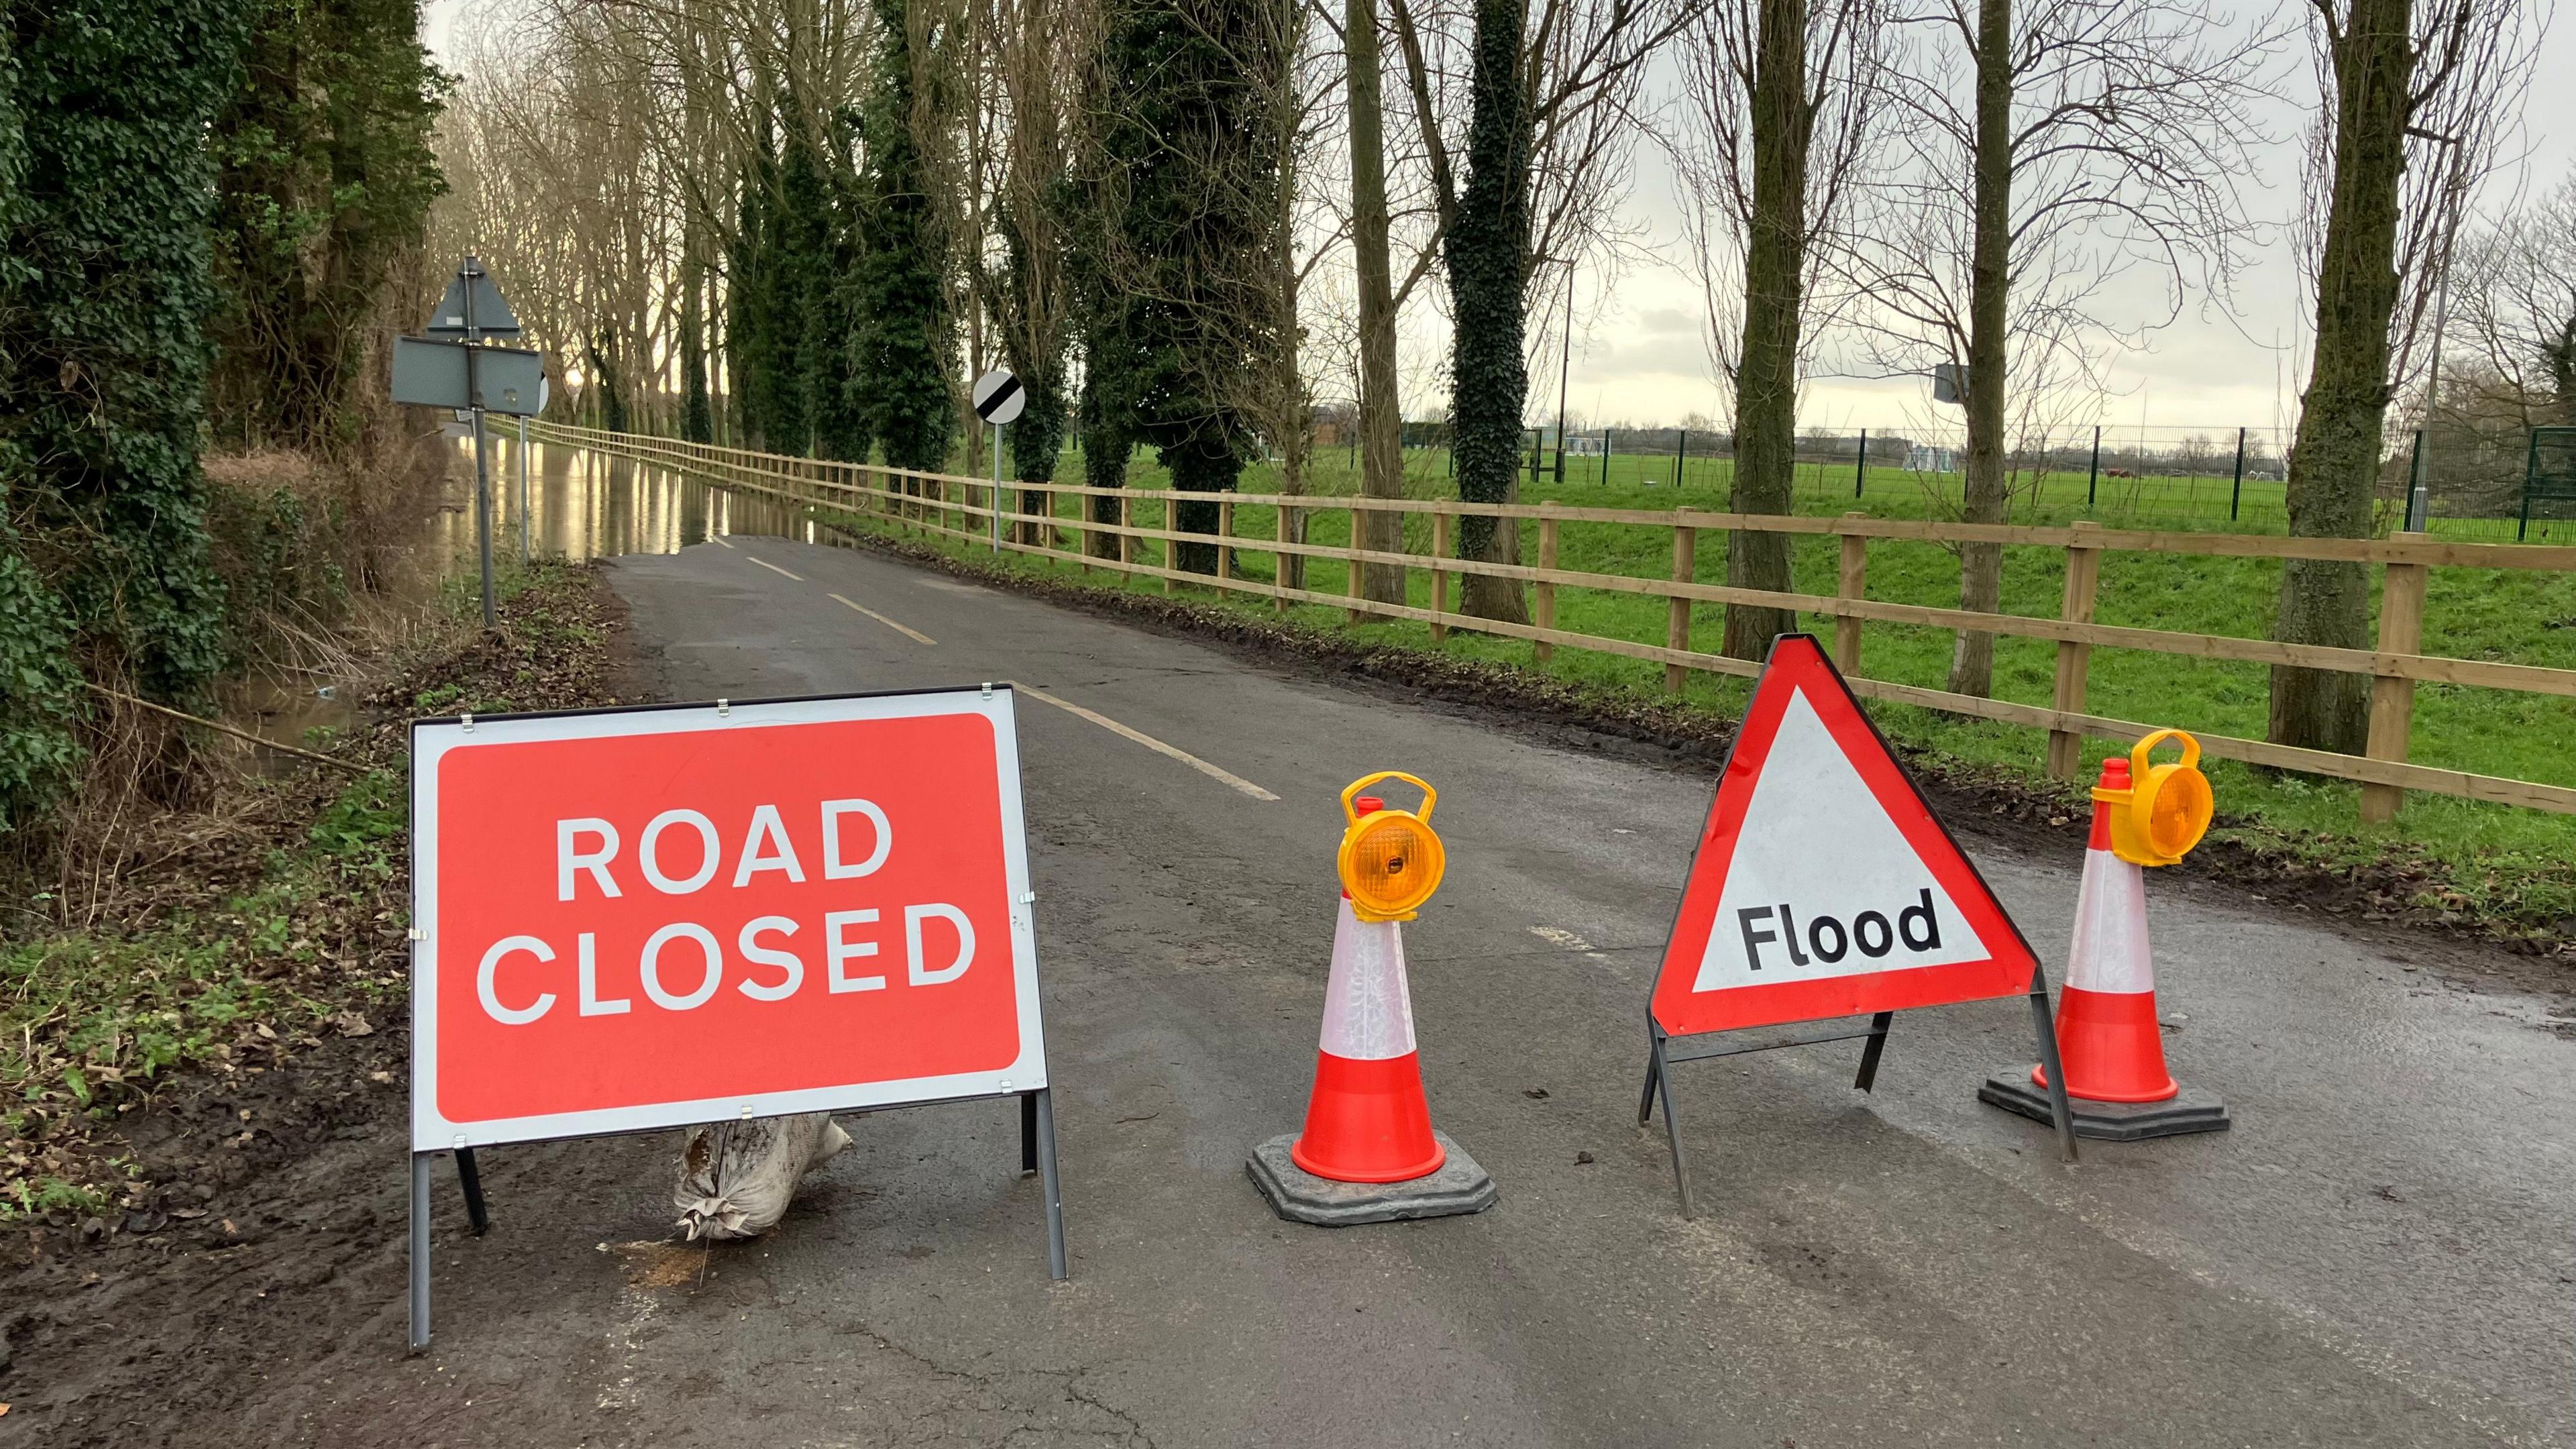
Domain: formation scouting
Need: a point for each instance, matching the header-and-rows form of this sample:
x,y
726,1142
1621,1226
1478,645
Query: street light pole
x,y
2419,495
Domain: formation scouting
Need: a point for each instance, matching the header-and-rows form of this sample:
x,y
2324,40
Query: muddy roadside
x,y
164,1220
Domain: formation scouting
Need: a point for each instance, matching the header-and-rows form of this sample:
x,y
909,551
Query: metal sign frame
x,y
1663,1053
1026,1078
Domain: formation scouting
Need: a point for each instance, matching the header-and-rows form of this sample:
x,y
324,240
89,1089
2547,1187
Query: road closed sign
x,y
651,917
1823,885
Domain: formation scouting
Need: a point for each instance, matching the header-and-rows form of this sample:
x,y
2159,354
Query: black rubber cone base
x,y
1460,1186
2191,1111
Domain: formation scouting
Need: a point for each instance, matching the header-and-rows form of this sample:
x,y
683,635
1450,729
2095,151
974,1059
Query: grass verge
x,y
2496,870
277,915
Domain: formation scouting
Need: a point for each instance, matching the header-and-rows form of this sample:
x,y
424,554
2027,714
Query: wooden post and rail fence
x,y
945,504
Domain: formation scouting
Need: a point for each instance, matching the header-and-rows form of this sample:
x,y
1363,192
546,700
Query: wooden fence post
x,y
1543,597
1279,560
1225,540
1851,583
1171,545
2392,700
1359,574
2074,661
1677,627
1439,578
1126,541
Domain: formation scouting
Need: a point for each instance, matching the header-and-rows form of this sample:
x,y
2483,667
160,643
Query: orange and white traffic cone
x,y
1368,1152
2108,1038
1367,1120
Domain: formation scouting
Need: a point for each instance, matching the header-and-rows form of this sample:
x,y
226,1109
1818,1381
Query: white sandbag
x,y
736,1177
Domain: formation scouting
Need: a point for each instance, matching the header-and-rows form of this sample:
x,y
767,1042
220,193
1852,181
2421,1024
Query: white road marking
x,y
773,568
719,540
1148,741
904,629
1559,936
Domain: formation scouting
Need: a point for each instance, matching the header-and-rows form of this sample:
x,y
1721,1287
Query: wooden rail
x,y
944,504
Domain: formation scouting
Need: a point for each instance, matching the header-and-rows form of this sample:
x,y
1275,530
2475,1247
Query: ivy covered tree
x,y
324,178
906,346
103,353
1488,252
39,685
1190,137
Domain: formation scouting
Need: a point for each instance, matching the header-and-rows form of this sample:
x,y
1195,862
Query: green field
x,y
2512,863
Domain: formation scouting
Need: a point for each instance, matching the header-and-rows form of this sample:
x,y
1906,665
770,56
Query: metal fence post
x,y
2236,491
1860,469
2093,476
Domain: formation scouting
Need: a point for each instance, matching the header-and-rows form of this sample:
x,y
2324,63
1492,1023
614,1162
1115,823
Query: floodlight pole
x,y
482,470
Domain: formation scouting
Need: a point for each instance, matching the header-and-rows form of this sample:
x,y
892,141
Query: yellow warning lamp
x,y
1390,862
2165,810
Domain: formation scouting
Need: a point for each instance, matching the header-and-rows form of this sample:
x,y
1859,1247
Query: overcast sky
x,y
1642,357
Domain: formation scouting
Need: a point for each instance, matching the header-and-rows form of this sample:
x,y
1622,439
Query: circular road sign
x,y
999,398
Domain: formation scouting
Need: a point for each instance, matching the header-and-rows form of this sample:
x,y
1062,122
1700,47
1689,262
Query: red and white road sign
x,y
650,917
1823,886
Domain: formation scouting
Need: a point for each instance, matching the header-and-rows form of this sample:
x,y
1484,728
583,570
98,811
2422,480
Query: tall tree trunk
x,y
1381,420
1488,254
1766,378
1106,444
1981,565
2335,461
697,411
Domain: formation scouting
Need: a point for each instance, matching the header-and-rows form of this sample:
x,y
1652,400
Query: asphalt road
x,y
2381,1252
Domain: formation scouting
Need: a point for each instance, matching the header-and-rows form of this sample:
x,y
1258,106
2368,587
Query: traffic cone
x,y
1367,1120
1368,1152
2108,1037
2106,1012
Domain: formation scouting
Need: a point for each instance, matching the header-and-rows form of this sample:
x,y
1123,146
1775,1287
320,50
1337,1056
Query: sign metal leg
x,y
2055,1070
1044,1100
419,1252
1028,1133
1646,1098
1661,1078
469,1178
1869,1054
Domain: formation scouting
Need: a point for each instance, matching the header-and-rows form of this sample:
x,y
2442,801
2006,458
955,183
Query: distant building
x,y
1924,459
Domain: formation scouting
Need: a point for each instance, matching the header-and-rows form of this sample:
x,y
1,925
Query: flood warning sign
x,y
1823,885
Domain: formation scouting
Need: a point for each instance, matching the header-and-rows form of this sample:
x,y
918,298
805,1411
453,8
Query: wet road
x,y
2381,1252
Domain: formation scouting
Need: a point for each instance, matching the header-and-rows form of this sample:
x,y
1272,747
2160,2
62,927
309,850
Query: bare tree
x,y
1776,93
2387,74
2516,294
2039,153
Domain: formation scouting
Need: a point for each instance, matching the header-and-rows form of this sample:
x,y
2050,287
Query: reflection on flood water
x,y
580,505
584,505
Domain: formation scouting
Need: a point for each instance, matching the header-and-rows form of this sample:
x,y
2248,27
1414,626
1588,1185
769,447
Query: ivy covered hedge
x,y
140,140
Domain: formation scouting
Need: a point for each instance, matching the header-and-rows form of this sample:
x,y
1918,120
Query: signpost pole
x,y
996,499
482,471
523,489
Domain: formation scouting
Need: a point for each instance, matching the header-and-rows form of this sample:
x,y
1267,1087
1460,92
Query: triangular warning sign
x,y
1823,885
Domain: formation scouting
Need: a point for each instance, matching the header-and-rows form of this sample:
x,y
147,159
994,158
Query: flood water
x,y
578,505
585,505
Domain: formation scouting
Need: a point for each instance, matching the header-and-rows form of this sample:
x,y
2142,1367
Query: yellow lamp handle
x,y
2138,753
1429,795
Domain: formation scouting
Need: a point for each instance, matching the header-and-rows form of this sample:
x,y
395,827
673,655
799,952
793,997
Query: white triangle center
x,y
1822,883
